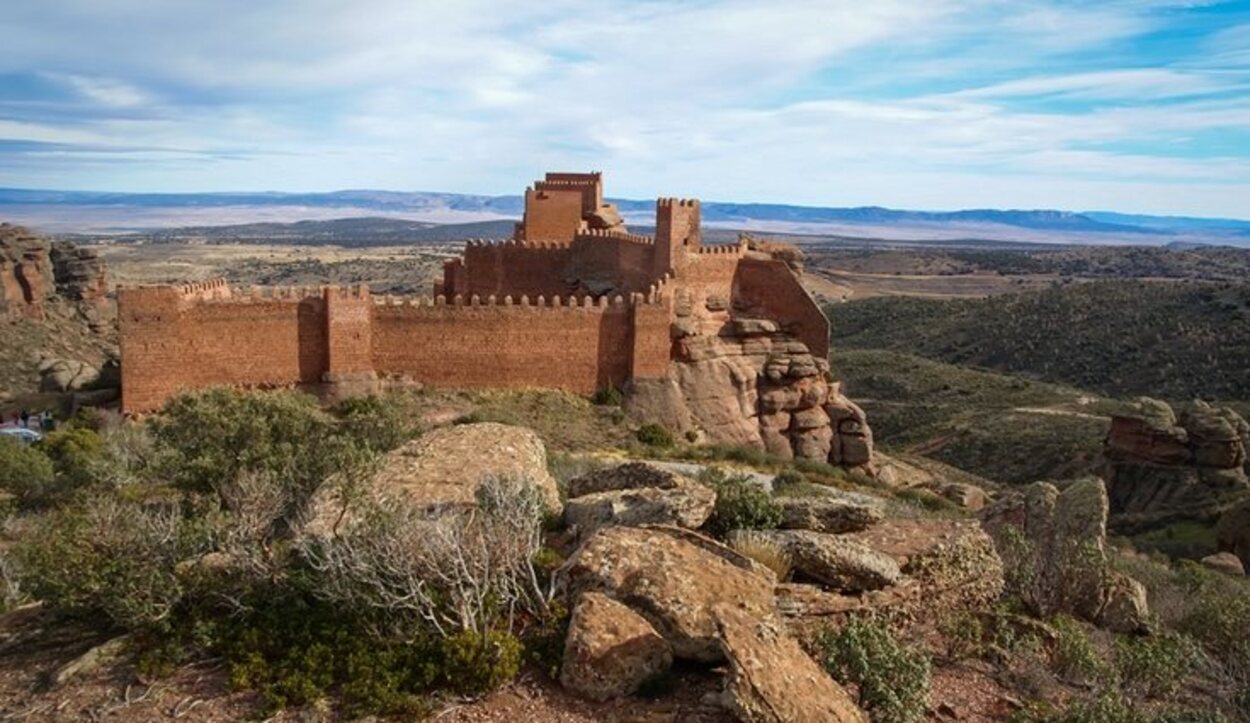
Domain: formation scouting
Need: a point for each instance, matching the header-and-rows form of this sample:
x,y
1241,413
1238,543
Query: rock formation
x,y
748,383
1233,532
26,278
1163,467
33,271
1053,545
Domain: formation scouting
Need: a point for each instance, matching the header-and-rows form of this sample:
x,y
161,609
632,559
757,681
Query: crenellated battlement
x,y
208,289
670,202
601,233
735,249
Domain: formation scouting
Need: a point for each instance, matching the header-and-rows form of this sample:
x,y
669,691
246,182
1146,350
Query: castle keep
x,y
573,301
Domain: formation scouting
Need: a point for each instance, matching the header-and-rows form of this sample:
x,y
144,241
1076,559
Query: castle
x,y
573,301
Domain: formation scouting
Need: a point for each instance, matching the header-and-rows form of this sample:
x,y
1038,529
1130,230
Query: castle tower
x,y
677,233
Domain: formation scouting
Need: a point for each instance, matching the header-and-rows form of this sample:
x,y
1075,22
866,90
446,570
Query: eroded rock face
x,y
66,375
771,678
26,278
78,272
672,577
1054,546
446,466
834,561
741,381
1163,466
610,650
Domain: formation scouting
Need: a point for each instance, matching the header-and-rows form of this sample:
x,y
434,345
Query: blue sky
x,y
1128,105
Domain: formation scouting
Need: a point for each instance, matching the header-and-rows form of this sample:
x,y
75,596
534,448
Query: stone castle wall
x,y
204,335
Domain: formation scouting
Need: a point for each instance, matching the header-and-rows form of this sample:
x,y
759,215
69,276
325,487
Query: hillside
x,y
1120,338
1005,428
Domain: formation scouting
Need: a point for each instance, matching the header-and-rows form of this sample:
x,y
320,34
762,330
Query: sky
x,y
1128,105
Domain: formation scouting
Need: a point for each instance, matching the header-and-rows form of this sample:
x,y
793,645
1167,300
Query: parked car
x,y
21,434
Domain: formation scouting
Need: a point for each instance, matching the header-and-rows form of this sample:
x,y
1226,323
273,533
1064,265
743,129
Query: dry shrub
x,y
764,550
456,570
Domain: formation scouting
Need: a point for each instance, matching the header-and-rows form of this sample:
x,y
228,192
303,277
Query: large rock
x,y
66,375
828,514
1225,562
689,506
1164,467
445,466
672,577
837,562
26,278
1053,545
610,650
744,382
771,679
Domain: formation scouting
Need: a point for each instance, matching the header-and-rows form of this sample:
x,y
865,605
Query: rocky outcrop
x,y
1053,546
66,375
1163,467
672,577
33,271
446,466
610,650
834,561
771,678
828,514
948,565
743,381
26,279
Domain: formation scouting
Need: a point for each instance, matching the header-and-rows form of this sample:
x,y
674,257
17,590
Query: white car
x,y
21,434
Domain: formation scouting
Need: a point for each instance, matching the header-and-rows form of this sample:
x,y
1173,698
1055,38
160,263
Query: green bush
x,y
76,454
375,423
208,440
893,680
608,396
1155,665
25,472
741,503
654,435
111,558
1074,656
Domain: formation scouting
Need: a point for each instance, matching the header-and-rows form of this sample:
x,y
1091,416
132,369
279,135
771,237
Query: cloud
x,y
807,101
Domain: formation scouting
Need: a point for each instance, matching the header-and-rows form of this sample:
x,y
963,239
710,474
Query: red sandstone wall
x,y
173,341
772,287
677,230
625,261
349,333
580,349
510,268
652,342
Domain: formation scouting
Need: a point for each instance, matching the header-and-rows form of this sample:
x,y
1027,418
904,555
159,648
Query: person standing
x,y
25,417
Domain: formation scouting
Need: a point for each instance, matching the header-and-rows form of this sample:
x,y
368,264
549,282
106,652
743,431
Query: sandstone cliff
x,y
746,382
1163,466
55,314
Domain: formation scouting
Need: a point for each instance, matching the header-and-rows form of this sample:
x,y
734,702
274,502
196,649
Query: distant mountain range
x,y
99,212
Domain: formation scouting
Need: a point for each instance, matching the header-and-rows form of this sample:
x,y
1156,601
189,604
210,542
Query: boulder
x,y
771,679
672,577
1125,608
610,650
968,496
1148,433
90,662
445,466
834,561
688,505
1225,562
828,514
66,375
1053,546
